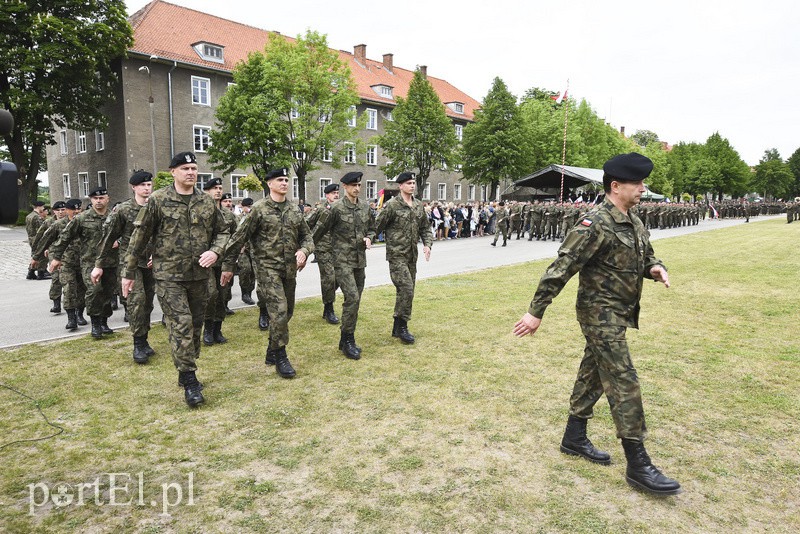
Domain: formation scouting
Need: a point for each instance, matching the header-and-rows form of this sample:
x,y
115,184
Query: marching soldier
x,y
324,255
502,219
33,222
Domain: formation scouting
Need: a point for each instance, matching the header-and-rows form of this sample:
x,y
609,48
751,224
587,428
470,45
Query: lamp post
x,y
146,68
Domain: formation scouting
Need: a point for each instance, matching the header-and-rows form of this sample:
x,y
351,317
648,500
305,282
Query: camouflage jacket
x,y
322,247
348,225
181,232
277,231
70,257
612,251
32,223
119,227
86,229
404,225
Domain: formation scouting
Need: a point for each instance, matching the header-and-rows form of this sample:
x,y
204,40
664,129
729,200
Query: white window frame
x,y
235,191
202,179
441,191
483,193
295,188
471,192
325,154
426,192
389,117
198,135
323,183
372,119
349,153
83,184
201,91
386,91
456,191
353,122
372,189
65,186
99,141
459,132
102,179
63,138
372,154
80,142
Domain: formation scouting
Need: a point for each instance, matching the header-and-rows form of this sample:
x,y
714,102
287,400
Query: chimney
x,y
360,52
388,62
622,130
423,69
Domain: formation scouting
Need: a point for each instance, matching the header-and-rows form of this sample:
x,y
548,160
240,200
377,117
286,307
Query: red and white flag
x,y
560,97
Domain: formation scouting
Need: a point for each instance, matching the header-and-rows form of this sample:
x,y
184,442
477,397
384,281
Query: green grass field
x,y
458,433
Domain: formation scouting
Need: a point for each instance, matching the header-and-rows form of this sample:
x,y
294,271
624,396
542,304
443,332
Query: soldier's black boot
x,y
104,328
114,303
192,389
229,311
270,359
125,317
218,337
56,306
247,298
642,474
79,317
43,275
97,331
263,319
494,243
147,348
347,344
329,315
576,443
282,365
31,274
140,355
208,333
400,330
72,319
505,241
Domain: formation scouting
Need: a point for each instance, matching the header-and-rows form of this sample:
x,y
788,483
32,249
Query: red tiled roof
x,y
155,32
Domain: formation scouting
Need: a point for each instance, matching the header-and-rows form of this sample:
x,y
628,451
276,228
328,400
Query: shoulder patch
x,y
586,222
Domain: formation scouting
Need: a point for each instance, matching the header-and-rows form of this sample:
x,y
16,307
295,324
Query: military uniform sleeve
x,y
44,242
425,230
112,230
578,248
370,233
222,233
64,239
143,229
650,259
238,239
305,239
326,220
384,218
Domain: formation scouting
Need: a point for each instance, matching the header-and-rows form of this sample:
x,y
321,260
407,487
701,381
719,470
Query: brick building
x,y
171,83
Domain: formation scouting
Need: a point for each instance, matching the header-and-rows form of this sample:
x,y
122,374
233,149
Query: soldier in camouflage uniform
x,y
189,235
59,212
502,220
324,255
405,223
118,229
516,219
244,265
33,222
611,249
352,228
87,230
281,245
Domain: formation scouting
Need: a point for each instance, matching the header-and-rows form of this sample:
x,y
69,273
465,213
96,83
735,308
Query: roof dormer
x,y
210,51
385,91
458,107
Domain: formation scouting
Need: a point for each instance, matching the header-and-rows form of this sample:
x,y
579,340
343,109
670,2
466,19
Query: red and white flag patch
x,y
586,222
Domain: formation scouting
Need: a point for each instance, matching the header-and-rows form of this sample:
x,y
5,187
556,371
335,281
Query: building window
x,y
372,155
202,178
383,90
201,91
324,117
372,119
101,179
325,154
65,185
426,192
444,165
483,193
295,188
458,107
471,192
459,132
235,191
323,183
63,142
354,118
99,140
350,153
441,191
389,117
83,184
372,189
201,138
80,142
457,192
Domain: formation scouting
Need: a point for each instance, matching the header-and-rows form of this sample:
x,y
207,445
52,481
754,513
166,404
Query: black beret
x,y
404,177
502,203
274,173
631,167
182,158
140,177
330,188
98,191
59,205
38,203
352,177
226,196
214,182
72,204
247,201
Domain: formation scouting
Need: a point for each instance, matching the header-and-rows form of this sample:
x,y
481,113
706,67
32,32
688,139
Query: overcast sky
x,y
683,69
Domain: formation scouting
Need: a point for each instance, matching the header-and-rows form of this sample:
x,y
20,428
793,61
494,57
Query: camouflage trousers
x,y
502,228
607,367
140,301
536,227
351,280
98,296
55,285
278,292
516,227
247,279
215,307
73,287
327,277
404,275
184,305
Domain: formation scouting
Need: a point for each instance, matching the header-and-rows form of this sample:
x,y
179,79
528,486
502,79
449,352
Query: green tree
x,y
290,105
680,161
794,167
658,180
58,67
162,179
250,183
734,173
421,135
773,178
496,146
643,138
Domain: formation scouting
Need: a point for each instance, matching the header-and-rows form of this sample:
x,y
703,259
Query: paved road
x,y
24,303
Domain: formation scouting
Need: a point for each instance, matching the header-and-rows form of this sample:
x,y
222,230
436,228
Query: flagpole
x,y
564,148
